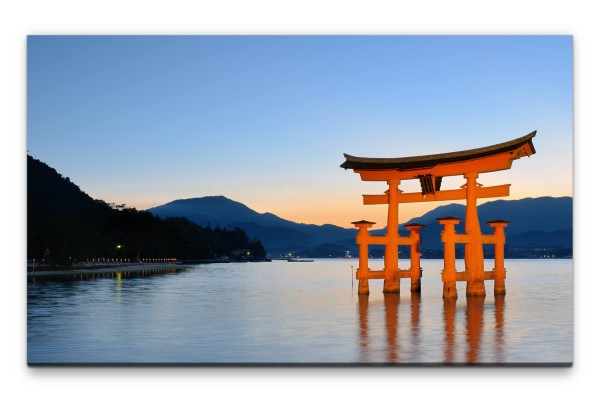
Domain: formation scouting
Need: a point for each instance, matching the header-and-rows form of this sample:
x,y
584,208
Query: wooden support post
x,y
474,248
415,256
449,240
362,239
499,269
391,283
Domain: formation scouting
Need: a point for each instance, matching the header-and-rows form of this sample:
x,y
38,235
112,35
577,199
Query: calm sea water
x,y
282,312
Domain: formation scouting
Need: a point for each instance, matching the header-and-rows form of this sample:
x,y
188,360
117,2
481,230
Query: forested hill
x,y
65,226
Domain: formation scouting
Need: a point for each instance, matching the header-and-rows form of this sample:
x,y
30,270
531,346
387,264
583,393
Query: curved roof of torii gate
x,y
428,161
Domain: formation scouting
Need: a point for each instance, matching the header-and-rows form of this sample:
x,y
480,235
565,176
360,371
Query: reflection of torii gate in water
x,y
430,170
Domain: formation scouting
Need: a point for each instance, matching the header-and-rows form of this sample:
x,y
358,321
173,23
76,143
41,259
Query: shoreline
x,y
128,270
103,271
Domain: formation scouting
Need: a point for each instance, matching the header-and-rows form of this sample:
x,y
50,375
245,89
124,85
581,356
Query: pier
x,y
106,272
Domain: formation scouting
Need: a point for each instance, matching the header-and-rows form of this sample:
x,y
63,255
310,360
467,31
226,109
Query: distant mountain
x,y
216,210
544,214
279,236
527,217
534,222
553,239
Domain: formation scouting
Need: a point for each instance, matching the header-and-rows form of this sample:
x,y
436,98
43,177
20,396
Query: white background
x,y
21,18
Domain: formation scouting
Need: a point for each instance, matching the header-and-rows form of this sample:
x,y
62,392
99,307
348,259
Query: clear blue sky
x,y
264,120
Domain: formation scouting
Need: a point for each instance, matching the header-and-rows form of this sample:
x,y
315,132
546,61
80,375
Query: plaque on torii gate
x,y
430,170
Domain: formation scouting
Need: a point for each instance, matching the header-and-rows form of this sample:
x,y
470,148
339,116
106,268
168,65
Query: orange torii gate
x,y
430,170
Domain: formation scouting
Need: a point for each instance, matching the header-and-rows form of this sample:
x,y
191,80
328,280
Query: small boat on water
x,y
300,260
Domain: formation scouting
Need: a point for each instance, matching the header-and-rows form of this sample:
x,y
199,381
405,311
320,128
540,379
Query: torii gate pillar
x,y
391,282
473,248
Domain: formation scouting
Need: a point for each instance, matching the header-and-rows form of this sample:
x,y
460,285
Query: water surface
x,y
282,312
